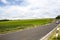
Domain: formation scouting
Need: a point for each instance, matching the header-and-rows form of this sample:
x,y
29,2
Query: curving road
x,y
29,34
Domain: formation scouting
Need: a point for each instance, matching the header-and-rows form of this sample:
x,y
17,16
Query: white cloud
x,y
4,1
35,9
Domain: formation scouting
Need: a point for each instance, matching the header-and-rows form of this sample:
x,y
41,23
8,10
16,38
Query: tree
x,y
58,17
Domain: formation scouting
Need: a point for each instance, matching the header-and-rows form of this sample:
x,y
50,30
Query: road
x,y
29,34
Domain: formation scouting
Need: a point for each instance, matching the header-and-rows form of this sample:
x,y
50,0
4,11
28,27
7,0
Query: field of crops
x,y
6,26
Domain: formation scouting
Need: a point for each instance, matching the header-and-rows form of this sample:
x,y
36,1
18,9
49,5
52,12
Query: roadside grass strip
x,y
54,35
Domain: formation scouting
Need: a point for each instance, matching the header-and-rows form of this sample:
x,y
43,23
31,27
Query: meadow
x,y
10,25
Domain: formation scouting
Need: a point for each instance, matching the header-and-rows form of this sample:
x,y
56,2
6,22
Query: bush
x,y
58,17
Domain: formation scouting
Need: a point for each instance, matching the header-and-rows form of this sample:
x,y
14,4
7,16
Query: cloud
x,y
14,2
22,9
4,1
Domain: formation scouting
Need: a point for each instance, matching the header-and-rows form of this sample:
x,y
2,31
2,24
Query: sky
x,y
26,9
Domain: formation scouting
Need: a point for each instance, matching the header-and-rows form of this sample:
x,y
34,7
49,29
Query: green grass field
x,y
6,26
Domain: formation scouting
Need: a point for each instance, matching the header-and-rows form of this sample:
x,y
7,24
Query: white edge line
x,y
48,34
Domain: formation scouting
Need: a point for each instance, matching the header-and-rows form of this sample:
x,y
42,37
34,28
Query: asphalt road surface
x,y
29,34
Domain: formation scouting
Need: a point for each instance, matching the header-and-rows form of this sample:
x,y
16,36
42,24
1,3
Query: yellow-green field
x,y
6,26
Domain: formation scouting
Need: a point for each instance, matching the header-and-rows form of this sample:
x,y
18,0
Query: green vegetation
x,y
6,26
53,36
58,17
4,20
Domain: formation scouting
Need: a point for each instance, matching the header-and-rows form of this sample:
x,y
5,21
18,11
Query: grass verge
x,y
53,36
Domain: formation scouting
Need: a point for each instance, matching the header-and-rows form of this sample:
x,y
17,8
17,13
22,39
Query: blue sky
x,y
26,9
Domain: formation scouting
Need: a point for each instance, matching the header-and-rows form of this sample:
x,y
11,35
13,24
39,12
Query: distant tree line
x,y
4,20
